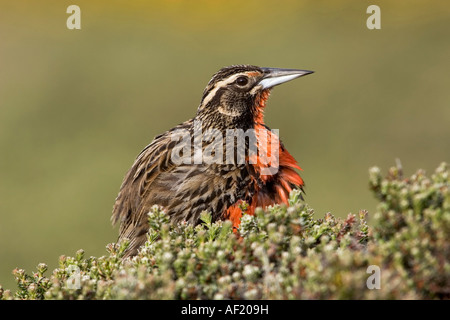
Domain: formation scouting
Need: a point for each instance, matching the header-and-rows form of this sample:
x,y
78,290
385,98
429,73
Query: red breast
x,y
281,181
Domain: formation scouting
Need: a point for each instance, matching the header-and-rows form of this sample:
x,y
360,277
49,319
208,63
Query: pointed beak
x,y
275,76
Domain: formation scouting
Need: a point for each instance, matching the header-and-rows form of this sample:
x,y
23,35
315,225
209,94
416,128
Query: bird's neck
x,y
259,106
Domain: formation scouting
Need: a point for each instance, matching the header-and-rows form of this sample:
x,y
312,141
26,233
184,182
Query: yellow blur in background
x,y
77,106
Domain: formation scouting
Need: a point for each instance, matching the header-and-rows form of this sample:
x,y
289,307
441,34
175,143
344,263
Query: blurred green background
x,y
77,106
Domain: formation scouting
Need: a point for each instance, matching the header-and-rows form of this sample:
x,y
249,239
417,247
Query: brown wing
x,y
138,193
183,190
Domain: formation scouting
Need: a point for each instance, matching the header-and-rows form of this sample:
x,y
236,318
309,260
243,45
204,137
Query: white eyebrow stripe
x,y
221,84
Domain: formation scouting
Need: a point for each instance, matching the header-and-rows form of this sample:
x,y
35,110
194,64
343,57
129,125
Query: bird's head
x,y
236,95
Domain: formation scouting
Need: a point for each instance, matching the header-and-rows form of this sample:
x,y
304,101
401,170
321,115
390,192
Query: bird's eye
x,y
242,81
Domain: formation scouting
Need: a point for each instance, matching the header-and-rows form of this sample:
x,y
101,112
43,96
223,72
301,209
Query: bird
x,y
173,175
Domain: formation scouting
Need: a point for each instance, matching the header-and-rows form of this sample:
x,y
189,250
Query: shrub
x,y
282,252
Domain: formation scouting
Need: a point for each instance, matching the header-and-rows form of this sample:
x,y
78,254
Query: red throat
x,y
260,105
282,181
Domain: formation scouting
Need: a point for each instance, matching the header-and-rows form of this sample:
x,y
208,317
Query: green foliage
x,y
279,253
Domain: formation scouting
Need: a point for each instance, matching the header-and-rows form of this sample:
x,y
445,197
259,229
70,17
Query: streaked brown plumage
x,y
234,99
